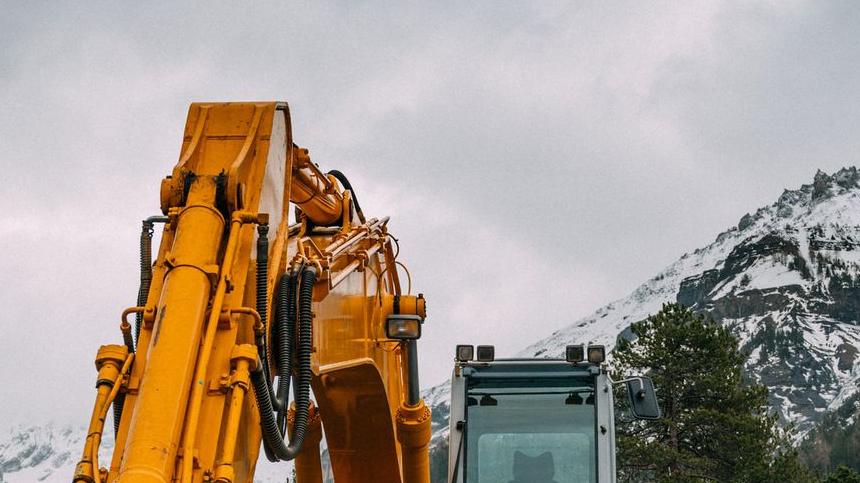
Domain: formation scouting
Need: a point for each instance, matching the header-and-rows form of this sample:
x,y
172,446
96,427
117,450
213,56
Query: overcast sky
x,y
538,160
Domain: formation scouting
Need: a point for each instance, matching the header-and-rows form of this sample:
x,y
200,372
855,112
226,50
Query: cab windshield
x,y
531,431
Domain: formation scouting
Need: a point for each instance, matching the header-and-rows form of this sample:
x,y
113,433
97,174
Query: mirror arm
x,y
622,381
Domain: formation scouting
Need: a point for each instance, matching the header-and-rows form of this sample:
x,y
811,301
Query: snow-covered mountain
x,y
49,453
786,279
44,453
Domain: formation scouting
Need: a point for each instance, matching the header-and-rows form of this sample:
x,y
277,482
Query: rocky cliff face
x,y
786,280
790,289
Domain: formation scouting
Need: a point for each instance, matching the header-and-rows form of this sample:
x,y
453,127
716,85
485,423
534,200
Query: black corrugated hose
x,y
145,273
145,268
146,232
283,341
345,182
284,348
263,272
273,437
263,296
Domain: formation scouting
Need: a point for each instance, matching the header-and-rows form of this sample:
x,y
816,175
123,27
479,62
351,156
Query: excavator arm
x,y
240,306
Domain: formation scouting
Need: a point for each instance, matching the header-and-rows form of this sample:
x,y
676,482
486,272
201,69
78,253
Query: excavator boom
x,y
238,299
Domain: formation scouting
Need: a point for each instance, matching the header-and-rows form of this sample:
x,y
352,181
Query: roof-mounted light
x,y
465,353
486,353
596,354
574,353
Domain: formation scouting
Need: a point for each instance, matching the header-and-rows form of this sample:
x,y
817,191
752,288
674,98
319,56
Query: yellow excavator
x,y
242,307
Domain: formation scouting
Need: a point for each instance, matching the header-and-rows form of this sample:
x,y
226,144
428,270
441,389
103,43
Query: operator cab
x,y
532,420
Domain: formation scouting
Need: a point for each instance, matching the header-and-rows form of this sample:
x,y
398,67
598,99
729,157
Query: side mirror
x,y
643,399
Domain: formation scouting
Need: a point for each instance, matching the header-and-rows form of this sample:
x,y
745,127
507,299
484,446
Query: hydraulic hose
x,y
145,273
283,325
284,348
118,403
276,447
345,182
262,299
262,271
145,267
262,282
146,232
282,328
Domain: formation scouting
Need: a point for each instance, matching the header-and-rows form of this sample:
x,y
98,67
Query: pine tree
x,y
835,441
843,474
715,427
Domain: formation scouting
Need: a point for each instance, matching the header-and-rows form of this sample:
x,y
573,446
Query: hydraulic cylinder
x,y
108,362
413,432
154,434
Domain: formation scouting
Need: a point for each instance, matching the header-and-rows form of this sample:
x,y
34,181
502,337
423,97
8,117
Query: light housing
x,y
596,354
465,352
486,353
574,353
403,327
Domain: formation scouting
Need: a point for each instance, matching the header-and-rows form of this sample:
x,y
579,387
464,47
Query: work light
x,y
596,354
486,353
465,352
403,327
574,353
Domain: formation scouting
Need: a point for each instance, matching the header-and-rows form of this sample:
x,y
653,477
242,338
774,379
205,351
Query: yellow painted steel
x,y
108,362
190,414
308,463
413,432
245,359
